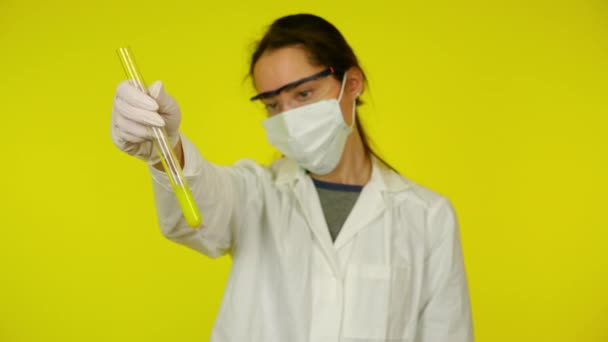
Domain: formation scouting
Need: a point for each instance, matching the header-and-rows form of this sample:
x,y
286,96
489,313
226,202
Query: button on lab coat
x,y
395,272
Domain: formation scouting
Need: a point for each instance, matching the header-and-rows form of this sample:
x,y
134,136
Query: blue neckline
x,y
337,186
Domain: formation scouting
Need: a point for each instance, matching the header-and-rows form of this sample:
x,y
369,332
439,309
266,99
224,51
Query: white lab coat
x,y
394,273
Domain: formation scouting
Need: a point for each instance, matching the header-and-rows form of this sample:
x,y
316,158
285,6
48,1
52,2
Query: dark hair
x,y
324,44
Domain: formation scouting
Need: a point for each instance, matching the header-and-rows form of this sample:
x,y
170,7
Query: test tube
x,y
164,148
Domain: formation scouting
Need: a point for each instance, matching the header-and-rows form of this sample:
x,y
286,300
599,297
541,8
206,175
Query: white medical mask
x,y
313,135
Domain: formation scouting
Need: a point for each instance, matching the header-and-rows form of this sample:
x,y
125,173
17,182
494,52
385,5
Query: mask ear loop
x,y
342,87
352,120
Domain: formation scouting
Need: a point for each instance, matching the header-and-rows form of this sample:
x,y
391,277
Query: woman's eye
x,y
271,106
304,94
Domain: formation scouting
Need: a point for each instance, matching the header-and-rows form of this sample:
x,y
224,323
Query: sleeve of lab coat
x,y
446,310
224,195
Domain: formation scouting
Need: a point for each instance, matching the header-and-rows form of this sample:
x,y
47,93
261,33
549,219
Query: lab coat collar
x,y
376,198
379,196
383,178
386,179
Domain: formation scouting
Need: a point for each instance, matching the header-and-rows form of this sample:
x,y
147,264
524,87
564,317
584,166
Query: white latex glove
x,y
135,113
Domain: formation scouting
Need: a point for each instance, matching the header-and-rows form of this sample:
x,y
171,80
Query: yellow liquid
x,y
182,193
189,209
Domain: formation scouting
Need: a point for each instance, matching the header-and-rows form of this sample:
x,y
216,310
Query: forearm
x,y
212,190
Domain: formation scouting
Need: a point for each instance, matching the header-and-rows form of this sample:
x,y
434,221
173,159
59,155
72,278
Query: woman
x,y
328,243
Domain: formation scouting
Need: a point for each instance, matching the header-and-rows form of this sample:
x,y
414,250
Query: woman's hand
x,y
135,113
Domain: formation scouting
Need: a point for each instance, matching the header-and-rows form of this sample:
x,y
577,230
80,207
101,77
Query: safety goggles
x,y
298,93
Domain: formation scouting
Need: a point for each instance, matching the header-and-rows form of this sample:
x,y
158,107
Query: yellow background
x,y
500,105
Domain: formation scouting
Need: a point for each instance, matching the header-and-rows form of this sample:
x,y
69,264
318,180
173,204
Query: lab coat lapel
x,y
309,201
368,207
377,198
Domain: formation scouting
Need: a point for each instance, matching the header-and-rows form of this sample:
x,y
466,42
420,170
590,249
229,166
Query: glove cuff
x,y
155,158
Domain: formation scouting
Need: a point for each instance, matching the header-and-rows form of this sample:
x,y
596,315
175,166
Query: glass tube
x,y
164,148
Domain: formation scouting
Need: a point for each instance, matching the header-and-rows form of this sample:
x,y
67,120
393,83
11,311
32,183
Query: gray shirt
x,y
337,201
